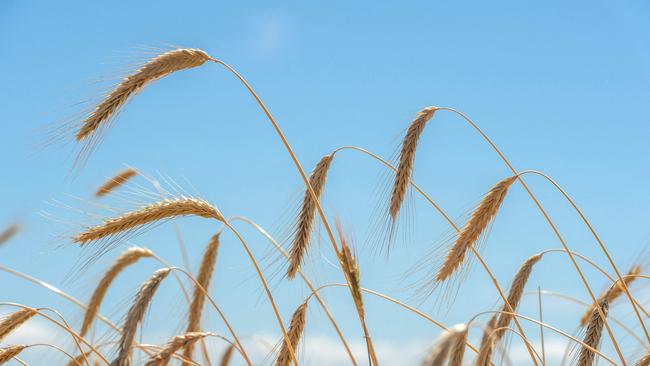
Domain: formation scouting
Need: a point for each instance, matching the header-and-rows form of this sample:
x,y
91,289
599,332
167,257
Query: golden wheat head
x,y
9,232
7,353
156,68
440,352
296,329
163,357
593,335
478,222
116,181
613,293
14,320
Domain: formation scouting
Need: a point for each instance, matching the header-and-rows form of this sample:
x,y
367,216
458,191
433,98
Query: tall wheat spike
x,y
161,210
9,232
163,357
14,320
116,181
612,293
135,316
593,335
305,221
156,68
198,297
227,355
406,158
7,353
127,258
457,349
473,229
296,329
439,353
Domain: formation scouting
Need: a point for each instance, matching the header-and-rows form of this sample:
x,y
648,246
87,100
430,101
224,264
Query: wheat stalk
x,y
118,180
227,355
440,351
593,335
198,297
613,292
14,320
406,158
163,357
127,258
164,209
296,329
10,352
156,68
305,221
9,232
136,314
473,229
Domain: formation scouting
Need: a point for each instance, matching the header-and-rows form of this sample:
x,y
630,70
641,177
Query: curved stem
x,y
305,179
304,278
550,222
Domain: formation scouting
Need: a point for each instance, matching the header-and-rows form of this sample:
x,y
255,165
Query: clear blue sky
x,y
562,87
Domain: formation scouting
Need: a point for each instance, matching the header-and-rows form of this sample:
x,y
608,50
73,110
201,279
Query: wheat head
x,y
116,181
613,293
295,332
593,335
163,357
14,320
7,353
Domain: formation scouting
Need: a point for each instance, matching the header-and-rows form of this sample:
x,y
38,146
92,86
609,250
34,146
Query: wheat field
x,y
610,330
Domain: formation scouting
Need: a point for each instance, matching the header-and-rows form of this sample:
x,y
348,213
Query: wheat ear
x,y
305,221
457,349
156,68
14,320
9,232
473,229
162,210
127,258
296,329
593,335
643,361
406,158
612,293
351,268
116,181
198,297
227,355
440,351
163,357
136,314
10,352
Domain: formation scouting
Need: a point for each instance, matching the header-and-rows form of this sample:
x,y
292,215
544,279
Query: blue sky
x,y
561,87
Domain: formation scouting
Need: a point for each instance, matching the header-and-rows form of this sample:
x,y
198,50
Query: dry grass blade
x,y
613,293
441,349
118,180
477,223
14,320
406,158
296,329
198,297
593,335
156,68
165,209
305,221
136,314
227,355
163,357
9,232
127,258
7,353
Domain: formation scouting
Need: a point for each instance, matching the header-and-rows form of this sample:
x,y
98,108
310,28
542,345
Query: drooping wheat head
x,y
305,220
165,209
593,335
198,296
296,329
406,159
14,320
135,316
156,68
475,226
9,232
116,181
163,357
7,353
613,293
127,258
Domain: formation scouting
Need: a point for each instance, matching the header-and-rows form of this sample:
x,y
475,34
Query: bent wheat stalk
x,y
156,68
127,258
136,314
118,180
198,298
305,221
